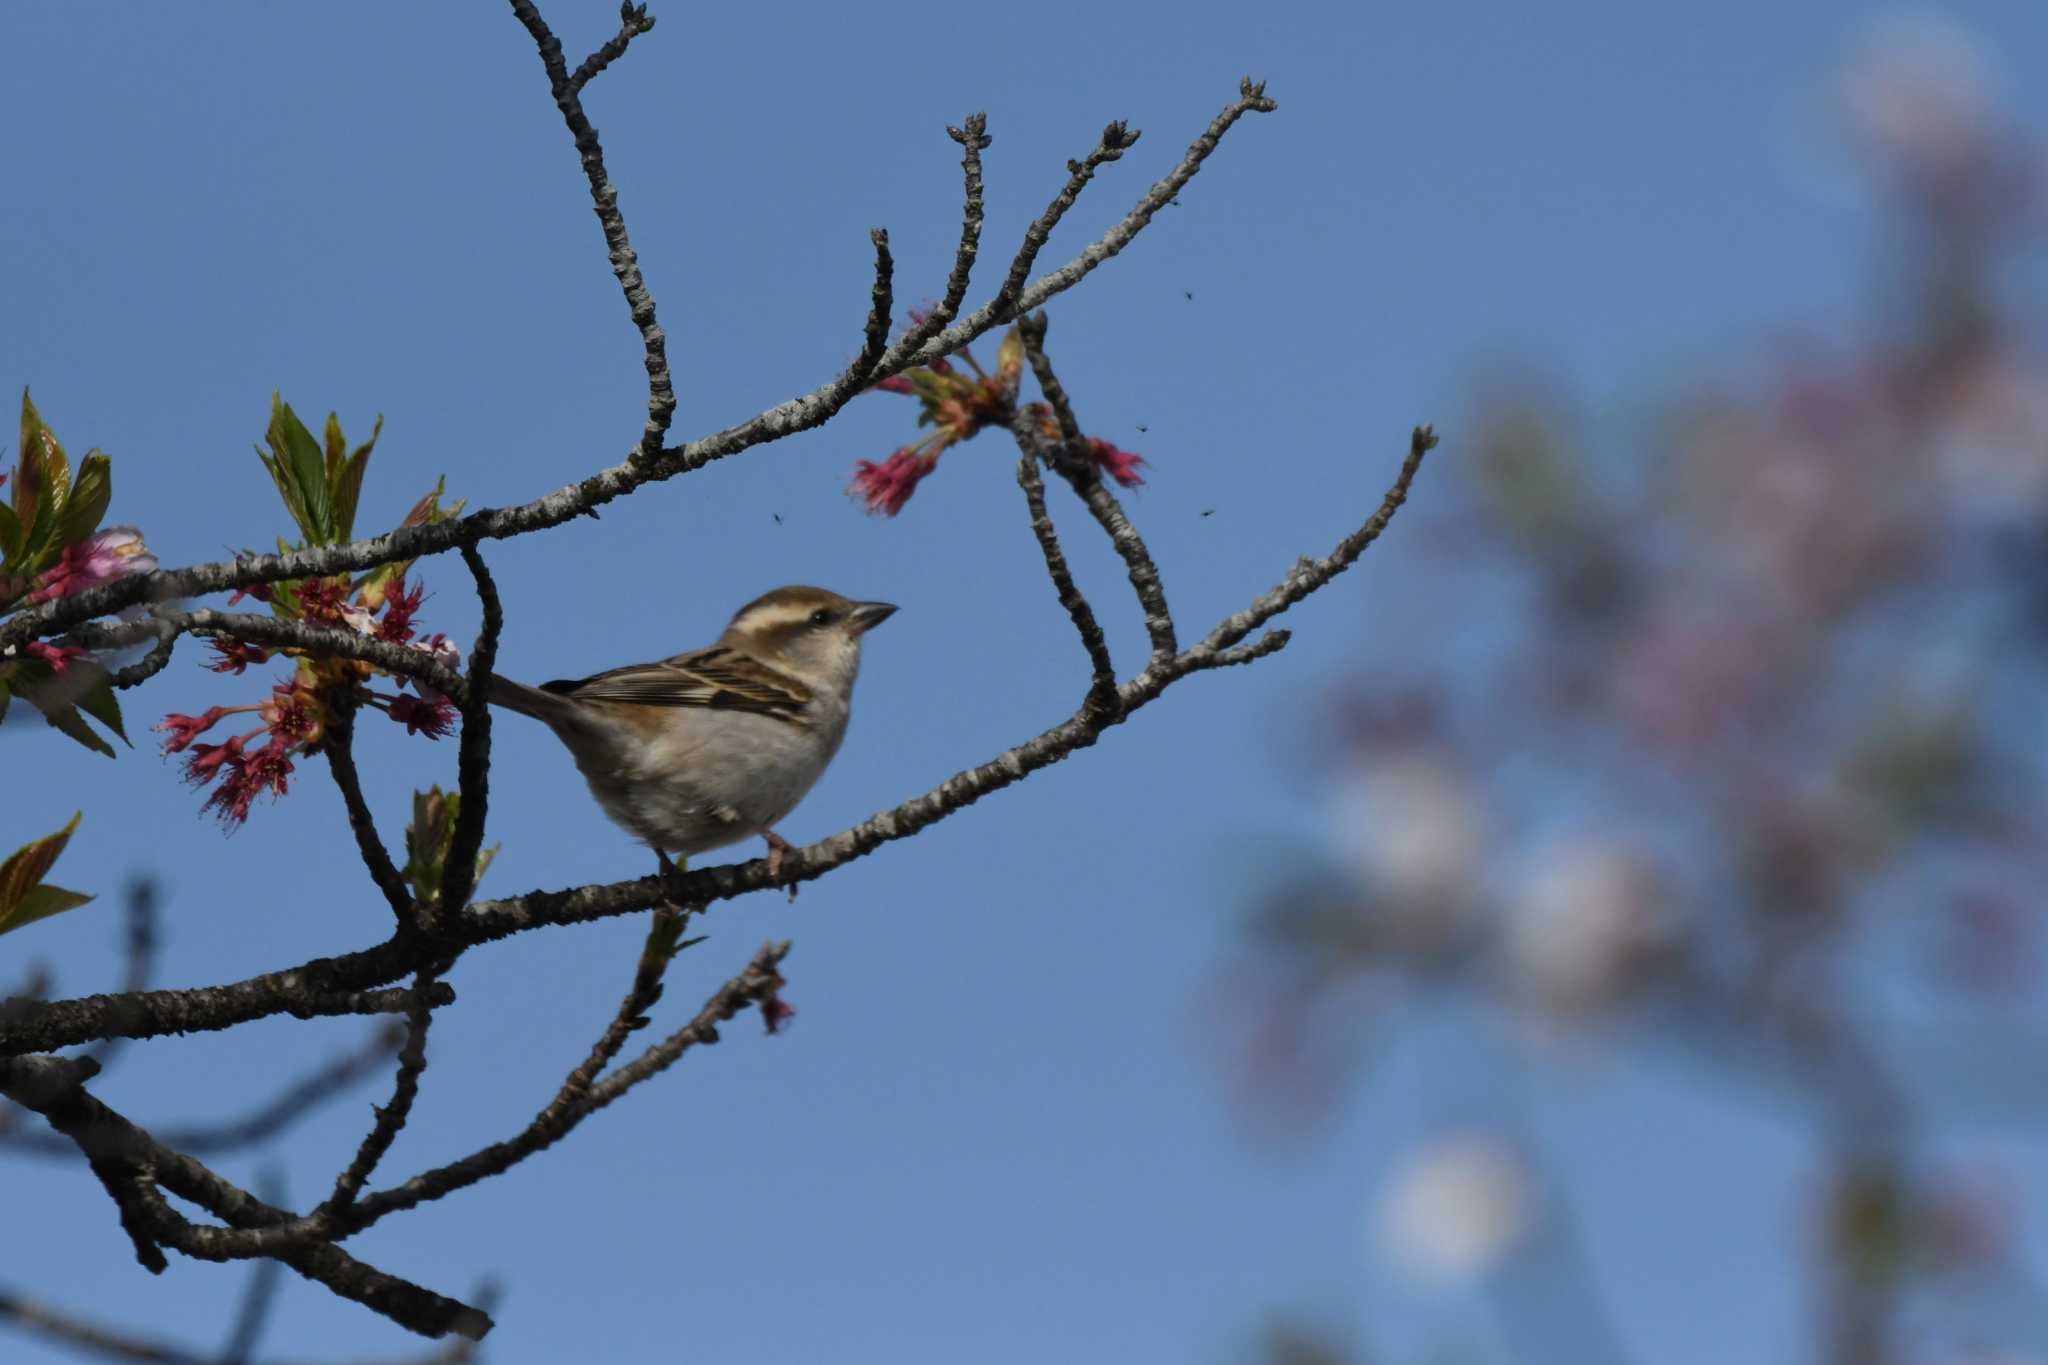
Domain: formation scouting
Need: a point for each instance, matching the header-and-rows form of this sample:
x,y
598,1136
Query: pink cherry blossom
x,y
100,558
886,487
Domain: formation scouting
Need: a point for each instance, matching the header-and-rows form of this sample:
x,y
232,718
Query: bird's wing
x,y
719,678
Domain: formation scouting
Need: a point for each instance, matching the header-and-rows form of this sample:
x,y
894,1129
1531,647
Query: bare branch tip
x,y
1254,94
973,134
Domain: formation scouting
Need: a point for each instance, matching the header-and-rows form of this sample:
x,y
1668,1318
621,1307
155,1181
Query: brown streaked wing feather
x,y
718,678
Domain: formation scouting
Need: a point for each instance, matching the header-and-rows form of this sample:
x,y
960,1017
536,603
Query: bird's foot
x,y
671,875
777,846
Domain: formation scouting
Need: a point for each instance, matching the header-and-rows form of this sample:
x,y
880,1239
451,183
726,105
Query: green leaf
x,y
98,702
346,482
58,698
90,494
10,537
39,548
427,839
22,874
484,858
336,448
294,450
43,473
286,489
40,903
67,720
427,510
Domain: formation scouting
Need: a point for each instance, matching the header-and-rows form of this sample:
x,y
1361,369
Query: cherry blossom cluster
x,y
957,405
292,721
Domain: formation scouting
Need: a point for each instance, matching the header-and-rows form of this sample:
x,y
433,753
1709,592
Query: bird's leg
x,y
777,846
670,874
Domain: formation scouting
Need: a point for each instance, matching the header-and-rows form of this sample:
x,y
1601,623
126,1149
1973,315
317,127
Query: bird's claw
x,y
777,846
671,876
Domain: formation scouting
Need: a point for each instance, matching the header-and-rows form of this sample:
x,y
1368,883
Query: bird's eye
x,y
822,617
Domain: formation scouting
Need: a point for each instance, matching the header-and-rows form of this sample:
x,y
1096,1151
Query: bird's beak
x,y
868,615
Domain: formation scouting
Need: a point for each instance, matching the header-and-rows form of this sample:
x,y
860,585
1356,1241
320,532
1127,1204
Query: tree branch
x,y
604,198
405,1087
573,1104
1310,574
881,305
164,624
577,1099
294,1102
1102,687
135,1164
89,1338
587,494
40,1026
340,749
474,759
1074,465
974,140
1251,99
1116,140
139,952
634,20
259,1296
304,992
78,1333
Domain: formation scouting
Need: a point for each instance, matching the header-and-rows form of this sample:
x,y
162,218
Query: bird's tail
x,y
549,707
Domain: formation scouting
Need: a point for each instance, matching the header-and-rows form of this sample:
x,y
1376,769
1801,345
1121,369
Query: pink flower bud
x,y
886,487
182,729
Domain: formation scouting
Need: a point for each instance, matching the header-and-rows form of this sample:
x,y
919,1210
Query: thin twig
x,y
411,1306
615,481
341,759
139,946
1102,687
881,305
663,937
604,198
634,20
758,982
1251,100
89,1338
1270,643
1311,574
40,1026
294,1102
405,1087
574,1102
79,1334
259,1296
1117,138
289,1105
474,758
136,1164
974,140
1075,466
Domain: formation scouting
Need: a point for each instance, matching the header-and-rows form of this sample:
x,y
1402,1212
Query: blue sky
x,y
995,1132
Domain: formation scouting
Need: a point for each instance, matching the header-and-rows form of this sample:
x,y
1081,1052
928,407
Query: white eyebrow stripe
x,y
775,615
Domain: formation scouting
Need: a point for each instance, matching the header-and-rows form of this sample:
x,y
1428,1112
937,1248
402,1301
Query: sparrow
x,y
716,745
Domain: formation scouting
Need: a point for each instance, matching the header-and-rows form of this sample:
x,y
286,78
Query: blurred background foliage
x,y
1724,755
